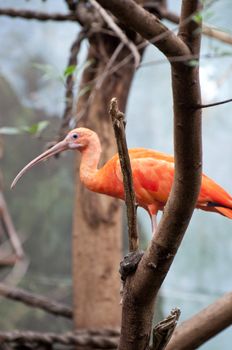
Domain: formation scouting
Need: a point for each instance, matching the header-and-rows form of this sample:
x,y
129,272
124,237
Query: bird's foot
x,y
129,263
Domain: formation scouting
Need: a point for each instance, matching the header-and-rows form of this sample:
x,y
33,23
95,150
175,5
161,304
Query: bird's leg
x,y
153,210
129,263
154,223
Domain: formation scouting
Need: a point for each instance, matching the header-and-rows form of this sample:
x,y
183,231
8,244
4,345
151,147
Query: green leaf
x,y
197,17
69,70
34,129
42,125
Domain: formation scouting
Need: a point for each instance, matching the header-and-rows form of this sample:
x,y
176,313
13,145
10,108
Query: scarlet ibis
x,y
152,175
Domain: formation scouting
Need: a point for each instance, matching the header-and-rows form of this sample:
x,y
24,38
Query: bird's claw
x,y
129,263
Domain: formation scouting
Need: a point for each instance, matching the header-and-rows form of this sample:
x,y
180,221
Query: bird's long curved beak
x,y
59,147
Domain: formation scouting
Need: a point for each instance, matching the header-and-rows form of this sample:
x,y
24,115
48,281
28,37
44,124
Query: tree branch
x,y
145,283
147,25
118,125
109,20
9,227
41,16
35,301
67,115
191,334
206,30
200,106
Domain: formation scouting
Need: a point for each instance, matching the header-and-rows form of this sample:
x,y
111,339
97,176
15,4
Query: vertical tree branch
x,y
118,121
68,111
142,287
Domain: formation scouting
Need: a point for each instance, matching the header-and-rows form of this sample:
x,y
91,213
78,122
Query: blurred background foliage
x,y
41,204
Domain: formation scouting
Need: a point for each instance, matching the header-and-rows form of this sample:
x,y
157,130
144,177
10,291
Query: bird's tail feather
x,y
224,211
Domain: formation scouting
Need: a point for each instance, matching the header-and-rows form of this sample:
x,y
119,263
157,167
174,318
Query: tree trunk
x,y
97,228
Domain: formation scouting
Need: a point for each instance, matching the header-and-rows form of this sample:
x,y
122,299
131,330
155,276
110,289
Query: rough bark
x,y
147,25
141,289
97,219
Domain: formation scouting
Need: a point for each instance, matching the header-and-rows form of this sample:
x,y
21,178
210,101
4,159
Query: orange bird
x,y
152,175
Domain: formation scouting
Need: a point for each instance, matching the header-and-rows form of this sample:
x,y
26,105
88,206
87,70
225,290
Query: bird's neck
x,y
89,163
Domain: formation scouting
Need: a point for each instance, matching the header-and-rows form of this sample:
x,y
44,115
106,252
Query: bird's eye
x,y
74,136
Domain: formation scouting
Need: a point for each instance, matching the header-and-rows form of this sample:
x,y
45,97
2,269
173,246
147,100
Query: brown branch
x,y
141,288
200,106
206,30
41,16
119,125
124,39
9,227
68,111
35,301
91,339
191,334
147,25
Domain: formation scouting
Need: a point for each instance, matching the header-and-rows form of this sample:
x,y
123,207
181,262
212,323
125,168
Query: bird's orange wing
x,y
152,178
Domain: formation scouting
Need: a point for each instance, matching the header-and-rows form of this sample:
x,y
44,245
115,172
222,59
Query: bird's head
x,y
78,138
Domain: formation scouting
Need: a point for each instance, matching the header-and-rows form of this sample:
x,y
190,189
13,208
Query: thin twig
x,y
67,115
41,16
206,30
94,340
109,20
35,301
119,130
108,66
9,227
163,331
200,106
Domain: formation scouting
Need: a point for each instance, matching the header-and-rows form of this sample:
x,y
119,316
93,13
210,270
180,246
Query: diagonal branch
x,y
213,104
194,332
165,13
9,227
35,301
109,20
147,25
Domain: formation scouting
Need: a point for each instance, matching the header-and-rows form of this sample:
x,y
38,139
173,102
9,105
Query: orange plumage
x,y
152,175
